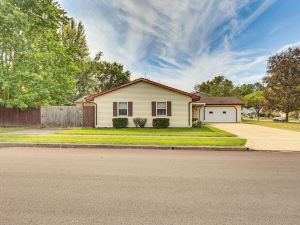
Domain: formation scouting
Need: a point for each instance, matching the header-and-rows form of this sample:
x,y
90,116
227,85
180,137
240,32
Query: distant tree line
x,y
44,57
279,90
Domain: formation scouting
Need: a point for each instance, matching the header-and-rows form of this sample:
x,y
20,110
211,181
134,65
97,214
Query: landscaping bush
x,y
161,122
120,122
140,122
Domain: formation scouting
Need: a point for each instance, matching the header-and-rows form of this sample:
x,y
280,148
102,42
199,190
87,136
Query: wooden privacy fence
x,y
49,116
17,118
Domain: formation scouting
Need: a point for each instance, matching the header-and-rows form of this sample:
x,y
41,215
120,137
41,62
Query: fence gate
x,y
88,116
61,116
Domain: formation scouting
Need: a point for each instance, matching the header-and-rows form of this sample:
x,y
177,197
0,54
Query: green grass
x,y
286,126
204,131
126,140
10,129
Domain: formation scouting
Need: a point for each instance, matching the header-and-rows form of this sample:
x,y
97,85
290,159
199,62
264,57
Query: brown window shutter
x,y
169,108
115,109
129,108
153,108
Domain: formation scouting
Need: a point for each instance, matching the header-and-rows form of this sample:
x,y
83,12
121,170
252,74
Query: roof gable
x,y
194,97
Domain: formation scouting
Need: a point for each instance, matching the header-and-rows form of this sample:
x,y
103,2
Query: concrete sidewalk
x,y
264,138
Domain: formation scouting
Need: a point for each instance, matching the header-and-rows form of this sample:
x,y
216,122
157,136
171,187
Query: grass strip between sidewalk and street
x,y
204,131
125,140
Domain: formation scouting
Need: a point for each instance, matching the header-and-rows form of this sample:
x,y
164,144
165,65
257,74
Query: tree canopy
x,y
282,82
35,68
218,86
254,99
44,57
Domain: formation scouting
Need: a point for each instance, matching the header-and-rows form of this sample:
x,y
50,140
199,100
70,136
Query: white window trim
x,y
166,109
119,108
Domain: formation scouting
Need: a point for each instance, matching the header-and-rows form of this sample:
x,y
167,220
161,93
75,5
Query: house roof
x,y
233,100
81,100
194,97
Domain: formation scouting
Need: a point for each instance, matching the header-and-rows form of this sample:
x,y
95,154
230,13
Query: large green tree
x,y
35,68
218,86
245,89
282,91
108,74
255,99
74,39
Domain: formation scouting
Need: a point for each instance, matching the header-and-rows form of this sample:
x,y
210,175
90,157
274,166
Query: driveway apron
x,y
264,138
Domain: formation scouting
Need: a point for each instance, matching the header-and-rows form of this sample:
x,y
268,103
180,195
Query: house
x,y
83,102
148,99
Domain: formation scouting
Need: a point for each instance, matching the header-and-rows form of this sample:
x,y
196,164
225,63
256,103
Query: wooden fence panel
x,y
13,117
61,116
88,116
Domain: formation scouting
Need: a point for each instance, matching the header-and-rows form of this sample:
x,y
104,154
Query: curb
x,y
111,146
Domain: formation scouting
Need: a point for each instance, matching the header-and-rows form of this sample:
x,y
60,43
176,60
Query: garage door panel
x,y
220,114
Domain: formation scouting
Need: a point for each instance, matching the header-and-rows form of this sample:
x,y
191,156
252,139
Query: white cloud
x,y
137,32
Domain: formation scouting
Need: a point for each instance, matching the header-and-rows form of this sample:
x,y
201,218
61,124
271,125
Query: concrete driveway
x,y
264,138
41,186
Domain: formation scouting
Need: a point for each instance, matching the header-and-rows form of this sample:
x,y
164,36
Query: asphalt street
x,y
40,186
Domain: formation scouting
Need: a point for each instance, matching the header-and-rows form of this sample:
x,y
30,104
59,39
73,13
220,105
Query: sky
x,y
185,42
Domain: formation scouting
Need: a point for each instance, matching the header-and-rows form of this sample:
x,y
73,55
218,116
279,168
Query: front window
x,y
161,108
122,108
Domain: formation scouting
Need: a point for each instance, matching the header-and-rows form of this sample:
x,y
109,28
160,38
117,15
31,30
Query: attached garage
x,y
218,109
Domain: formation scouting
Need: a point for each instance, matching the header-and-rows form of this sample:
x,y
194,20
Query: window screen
x,y
161,108
122,108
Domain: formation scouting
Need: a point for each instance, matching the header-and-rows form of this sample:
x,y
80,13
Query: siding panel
x,y
142,95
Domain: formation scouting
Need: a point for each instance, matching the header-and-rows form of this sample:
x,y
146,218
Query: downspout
x,y
236,114
96,110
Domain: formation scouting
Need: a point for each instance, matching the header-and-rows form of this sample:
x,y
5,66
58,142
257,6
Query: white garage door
x,y
220,114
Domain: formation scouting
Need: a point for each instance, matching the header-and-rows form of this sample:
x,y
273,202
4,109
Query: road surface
x,y
41,186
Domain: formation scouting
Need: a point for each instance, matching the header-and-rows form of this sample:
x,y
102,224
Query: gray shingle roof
x,y
233,100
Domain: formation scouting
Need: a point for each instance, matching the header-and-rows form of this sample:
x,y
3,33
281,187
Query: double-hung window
x,y
123,109
161,108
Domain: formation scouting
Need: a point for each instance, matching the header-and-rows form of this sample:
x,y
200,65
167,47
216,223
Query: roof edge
x,y
92,97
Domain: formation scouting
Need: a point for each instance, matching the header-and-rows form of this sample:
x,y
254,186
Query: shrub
x,y
161,122
197,123
140,122
120,122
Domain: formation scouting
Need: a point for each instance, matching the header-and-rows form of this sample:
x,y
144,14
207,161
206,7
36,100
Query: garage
x,y
218,109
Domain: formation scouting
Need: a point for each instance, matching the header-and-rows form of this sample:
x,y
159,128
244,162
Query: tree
x,y
254,100
109,75
74,40
245,89
35,68
218,86
282,91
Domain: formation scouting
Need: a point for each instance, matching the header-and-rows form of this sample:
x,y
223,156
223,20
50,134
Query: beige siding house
x,y
147,99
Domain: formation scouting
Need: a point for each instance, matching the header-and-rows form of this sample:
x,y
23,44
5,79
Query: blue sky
x,y
182,43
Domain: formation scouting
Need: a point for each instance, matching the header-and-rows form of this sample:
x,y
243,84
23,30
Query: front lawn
x,y
204,131
125,140
286,126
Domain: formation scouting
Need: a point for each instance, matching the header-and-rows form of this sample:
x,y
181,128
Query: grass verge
x,y
286,126
204,131
10,129
126,140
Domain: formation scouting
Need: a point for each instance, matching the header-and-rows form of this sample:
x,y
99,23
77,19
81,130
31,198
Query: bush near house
x,y
161,123
120,122
140,122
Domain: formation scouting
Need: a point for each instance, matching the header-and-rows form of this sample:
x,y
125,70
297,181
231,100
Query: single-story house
x,y
148,99
83,102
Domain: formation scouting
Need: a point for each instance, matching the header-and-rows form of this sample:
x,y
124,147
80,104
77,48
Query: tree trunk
x,y
287,116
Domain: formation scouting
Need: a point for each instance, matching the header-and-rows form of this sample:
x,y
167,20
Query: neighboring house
x,y
148,99
83,102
